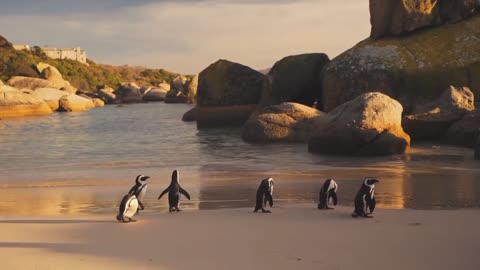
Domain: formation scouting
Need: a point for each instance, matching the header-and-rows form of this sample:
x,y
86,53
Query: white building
x,y
76,54
20,47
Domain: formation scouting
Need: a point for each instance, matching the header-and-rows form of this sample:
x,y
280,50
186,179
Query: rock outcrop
x,y
107,95
295,79
4,43
190,116
50,95
191,87
98,102
368,125
128,93
415,67
155,94
74,103
176,96
227,94
432,120
287,122
396,17
29,83
465,131
15,103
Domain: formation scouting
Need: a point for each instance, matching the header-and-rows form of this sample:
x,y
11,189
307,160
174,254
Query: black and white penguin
x,y
264,195
328,190
174,191
128,208
365,198
140,189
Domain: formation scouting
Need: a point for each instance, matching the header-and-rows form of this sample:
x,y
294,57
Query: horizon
x,y
187,36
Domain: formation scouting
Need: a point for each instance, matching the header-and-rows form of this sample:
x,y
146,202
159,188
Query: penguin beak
x,y
375,181
146,177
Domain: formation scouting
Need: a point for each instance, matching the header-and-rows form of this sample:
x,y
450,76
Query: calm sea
x,y
84,162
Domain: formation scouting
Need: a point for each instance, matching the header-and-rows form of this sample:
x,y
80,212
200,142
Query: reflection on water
x,y
84,162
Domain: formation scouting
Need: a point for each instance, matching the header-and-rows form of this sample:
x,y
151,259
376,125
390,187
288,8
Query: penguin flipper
x,y
371,204
270,200
163,193
334,198
185,193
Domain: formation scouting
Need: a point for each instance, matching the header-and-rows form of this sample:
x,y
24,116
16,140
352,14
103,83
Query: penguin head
x,y
175,176
270,185
141,179
332,191
370,181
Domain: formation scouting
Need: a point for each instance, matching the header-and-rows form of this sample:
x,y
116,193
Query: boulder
x,y
367,125
178,83
51,74
74,103
191,87
107,97
164,85
175,96
155,94
5,88
465,131
432,120
190,116
287,122
16,103
98,102
128,93
477,149
30,83
1,82
50,95
225,90
295,79
4,43
413,68
69,88
222,116
396,17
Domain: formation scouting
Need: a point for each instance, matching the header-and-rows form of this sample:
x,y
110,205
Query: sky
x,y
187,35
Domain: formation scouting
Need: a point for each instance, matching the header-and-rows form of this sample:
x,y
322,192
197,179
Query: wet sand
x,y
292,237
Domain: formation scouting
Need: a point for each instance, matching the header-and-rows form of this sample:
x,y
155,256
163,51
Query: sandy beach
x,y
292,237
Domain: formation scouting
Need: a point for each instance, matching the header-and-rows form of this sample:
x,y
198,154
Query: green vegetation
x,y
22,63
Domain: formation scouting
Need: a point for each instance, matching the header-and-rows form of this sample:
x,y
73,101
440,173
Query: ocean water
x,y
81,163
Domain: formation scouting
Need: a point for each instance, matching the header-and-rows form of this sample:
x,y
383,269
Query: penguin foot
x,y
355,215
266,211
179,210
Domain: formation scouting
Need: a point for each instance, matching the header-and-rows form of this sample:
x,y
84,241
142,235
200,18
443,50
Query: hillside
x,y
84,77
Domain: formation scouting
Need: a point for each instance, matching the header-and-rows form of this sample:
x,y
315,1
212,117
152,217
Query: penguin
x,y
365,198
264,194
174,190
128,208
328,190
140,189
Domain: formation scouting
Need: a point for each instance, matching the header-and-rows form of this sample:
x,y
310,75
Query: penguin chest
x,y
142,193
131,207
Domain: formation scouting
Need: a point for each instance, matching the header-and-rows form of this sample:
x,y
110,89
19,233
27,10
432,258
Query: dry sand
x,y
292,237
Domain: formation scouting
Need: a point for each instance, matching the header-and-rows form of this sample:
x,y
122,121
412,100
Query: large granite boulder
x,y
128,93
98,102
415,67
107,94
190,116
51,74
155,94
4,43
74,103
227,94
1,82
191,87
368,125
477,149
29,83
176,96
465,131
396,17
50,95
432,120
286,122
15,103
295,79
178,83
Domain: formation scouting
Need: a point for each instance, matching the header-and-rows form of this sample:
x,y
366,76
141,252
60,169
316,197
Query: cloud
x,y
186,36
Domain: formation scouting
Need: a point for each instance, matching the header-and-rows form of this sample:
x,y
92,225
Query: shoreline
x,y
291,237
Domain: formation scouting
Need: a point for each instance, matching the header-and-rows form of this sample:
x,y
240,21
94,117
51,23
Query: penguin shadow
x,y
56,221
